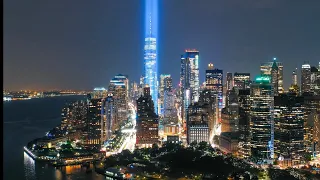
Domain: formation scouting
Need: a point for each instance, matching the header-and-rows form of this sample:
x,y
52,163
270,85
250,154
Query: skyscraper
x,y
266,68
94,112
109,120
99,93
147,121
294,88
244,123
229,81
294,78
214,82
305,77
118,87
289,124
312,109
315,80
189,80
230,114
134,92
262,122
74,116
165,85
241,81
198,119
275,77
169,110
150,49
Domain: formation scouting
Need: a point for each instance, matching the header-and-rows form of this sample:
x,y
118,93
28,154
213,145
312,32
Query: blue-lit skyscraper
x,y
189,81
150,49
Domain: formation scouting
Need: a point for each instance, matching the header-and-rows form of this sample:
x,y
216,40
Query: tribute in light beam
x,y
150,49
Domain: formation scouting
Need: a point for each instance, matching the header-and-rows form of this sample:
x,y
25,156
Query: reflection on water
x,y
38,171
29,167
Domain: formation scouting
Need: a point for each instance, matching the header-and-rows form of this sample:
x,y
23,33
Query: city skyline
x,y
62,50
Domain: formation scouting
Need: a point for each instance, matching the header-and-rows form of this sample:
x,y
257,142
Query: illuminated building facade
x,y
312,109
289,126
244,123
315,80
262,122
169,109
147,121
316,132
275,78
305,77
241,81
109,120
189,81
294,88
171,129
294,78
230,114
73,116
229,81
94,113
210,100
165,85
99,93
134,92
214,82
118,87
198,118
266,69
150,49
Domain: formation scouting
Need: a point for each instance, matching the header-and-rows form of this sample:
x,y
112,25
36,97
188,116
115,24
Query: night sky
x,y
81,44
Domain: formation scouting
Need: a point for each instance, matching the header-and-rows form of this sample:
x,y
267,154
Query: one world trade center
x,y
150,49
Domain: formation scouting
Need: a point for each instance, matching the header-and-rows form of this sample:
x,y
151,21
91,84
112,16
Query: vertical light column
x,y
150,49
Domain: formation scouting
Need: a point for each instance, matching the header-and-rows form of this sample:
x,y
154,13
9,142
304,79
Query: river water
x,y
28,119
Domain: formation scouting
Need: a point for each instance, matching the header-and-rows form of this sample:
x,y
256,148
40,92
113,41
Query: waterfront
x,y
26,120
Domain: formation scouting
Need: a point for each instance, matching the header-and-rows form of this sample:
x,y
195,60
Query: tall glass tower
x,y
150,49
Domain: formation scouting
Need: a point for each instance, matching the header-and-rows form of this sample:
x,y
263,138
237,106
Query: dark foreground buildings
x,y
147,121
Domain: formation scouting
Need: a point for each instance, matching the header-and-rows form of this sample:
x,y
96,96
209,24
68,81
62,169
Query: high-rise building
x,y
315,81
230,114
169,110
209,98
275,77
150,49
165,85
262,122
109,120
118,87
266,68
294,88
99,93
241,81
134,92
198,119
305,77
316,133
189,81
244,123
141,82
94,112
74,115
294,78
229,81
147,121
214,82
312,109
289,127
